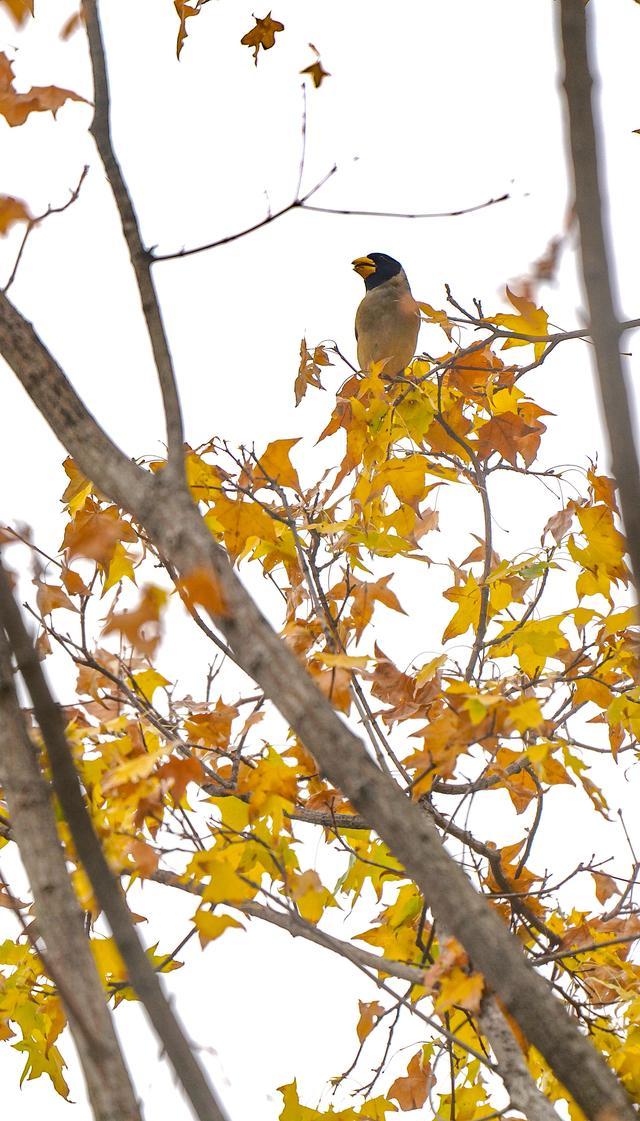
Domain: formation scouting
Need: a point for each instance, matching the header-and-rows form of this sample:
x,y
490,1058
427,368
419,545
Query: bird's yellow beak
x,y
364,266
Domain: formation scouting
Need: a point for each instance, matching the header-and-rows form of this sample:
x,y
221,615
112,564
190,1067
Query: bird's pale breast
x,y
387,325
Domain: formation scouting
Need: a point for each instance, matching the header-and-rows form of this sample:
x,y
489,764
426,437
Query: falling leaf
x,y
262,35
72,24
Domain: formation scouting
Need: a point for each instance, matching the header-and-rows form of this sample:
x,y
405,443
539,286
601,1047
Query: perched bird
x,y
388,319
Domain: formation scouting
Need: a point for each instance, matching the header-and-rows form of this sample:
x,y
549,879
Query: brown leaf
x,y
411,1091
505,433
605,886
12,210
262,35
316,70
15,107
50,597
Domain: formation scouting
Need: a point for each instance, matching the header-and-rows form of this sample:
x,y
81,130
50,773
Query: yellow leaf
x,y
530,320
343,661
461,989
210,926
274,464
525,715
120,566
148,681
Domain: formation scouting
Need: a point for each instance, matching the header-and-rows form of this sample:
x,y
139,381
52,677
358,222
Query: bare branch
x,y
58,914
301,202
140,258
142,976
33,222
597,270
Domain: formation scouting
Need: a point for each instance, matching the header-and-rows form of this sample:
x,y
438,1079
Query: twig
x,y
140,258
33,222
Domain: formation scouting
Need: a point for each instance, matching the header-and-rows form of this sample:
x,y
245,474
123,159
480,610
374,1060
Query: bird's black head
x,y
376,269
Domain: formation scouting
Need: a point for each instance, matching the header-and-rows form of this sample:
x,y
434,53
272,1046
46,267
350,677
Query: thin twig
x,y
140,258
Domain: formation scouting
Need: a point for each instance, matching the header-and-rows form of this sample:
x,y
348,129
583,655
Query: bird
x,y
388,318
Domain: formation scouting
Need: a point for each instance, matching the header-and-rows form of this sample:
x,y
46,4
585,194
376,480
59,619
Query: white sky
x,y
445,105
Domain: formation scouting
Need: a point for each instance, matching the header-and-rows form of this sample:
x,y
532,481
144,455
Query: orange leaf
x,y
275,466
262,35
19,10
141,626
411,1091
15,107
12,210
369,1016
94,533
506,434
202,586
50,597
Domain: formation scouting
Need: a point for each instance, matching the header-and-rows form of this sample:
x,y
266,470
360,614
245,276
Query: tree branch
x,y
58,914
597,271
140,258
511,1066
142,976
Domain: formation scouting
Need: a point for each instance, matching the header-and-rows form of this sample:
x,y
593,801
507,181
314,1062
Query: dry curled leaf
x,y
15,107
262,35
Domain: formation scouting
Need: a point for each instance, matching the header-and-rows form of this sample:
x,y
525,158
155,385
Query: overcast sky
x,y
431,105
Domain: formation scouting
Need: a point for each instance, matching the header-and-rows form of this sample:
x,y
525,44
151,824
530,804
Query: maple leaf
x,y
262,35
12,210
15,107
141,626
507,434
50,597
95,532
274,465
411,1090
531,320
316,70
202,587
210,926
